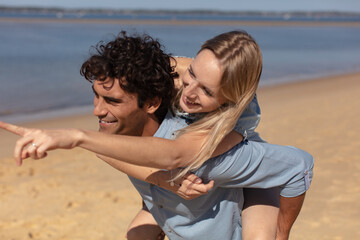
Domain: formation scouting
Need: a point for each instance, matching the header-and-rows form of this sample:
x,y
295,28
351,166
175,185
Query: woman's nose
x,y
191,89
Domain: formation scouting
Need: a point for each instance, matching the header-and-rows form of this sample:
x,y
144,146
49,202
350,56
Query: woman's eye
x,y
207,92
191,73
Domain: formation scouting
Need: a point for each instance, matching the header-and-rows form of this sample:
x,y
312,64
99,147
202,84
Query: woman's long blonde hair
x,y
241,61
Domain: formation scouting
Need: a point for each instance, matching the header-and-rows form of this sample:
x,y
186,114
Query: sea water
x,y
40,61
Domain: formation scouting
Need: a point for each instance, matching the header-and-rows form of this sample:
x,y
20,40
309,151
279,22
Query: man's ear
x,y
152,105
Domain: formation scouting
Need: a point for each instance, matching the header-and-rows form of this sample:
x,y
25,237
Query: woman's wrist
x,y
79,137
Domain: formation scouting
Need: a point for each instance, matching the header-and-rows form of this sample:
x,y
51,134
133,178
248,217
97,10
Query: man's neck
x,y
150,127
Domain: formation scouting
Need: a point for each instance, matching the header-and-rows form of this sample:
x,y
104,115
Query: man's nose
x,y
99,107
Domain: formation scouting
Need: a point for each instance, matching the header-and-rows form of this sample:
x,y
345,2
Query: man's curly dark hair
x,y
140,65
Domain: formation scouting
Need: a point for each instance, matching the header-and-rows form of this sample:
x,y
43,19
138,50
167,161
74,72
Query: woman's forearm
x,y
142,151
151,175
188,187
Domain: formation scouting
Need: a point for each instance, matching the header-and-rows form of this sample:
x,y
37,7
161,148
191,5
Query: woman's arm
x,y
143,151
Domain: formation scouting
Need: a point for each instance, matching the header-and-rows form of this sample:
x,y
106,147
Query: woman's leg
x,y
144,227
260,213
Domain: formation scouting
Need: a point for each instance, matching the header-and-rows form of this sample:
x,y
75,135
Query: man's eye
x,y
112,101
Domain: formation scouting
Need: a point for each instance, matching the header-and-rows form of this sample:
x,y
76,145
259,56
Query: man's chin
x,y
107,130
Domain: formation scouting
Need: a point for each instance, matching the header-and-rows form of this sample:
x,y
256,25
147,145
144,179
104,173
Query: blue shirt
x,y
217,215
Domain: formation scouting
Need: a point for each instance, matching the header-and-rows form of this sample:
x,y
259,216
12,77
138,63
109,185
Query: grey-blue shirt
x,y
217,215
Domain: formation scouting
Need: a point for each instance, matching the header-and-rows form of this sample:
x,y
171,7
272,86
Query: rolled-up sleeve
x,y
262,165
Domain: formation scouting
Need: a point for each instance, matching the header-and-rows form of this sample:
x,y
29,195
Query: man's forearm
x,y
289,210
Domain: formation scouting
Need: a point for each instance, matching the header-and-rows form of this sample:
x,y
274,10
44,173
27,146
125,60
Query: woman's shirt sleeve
x,y
249,120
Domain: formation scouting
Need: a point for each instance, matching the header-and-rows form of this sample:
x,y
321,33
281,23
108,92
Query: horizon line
x,y
199,11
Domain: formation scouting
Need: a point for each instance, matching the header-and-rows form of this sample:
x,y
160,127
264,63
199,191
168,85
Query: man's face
x,y
118,111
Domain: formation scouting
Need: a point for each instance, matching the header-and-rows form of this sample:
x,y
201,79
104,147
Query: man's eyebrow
x,y
112,99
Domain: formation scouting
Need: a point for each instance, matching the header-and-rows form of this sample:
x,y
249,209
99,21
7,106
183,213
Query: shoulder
x,y
169,125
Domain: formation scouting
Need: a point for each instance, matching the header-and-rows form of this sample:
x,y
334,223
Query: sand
x,y
74,195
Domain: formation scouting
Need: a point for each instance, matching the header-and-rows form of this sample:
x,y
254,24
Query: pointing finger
x,y
13,128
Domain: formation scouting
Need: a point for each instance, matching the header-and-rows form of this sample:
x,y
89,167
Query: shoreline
x,y
310,81
182,22
74,195
74,111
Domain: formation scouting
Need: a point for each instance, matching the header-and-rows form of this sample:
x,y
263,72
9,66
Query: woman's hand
x,y
35,143
189,186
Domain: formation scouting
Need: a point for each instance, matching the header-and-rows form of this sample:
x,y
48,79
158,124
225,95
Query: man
x,y
133,85
135,105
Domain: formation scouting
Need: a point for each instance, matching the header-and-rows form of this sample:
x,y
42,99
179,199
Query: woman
x,y
219,84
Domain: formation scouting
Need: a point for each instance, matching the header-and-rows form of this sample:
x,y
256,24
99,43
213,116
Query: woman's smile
x,y
188,102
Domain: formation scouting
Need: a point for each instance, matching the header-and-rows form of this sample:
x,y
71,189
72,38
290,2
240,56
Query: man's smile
x,y
104,122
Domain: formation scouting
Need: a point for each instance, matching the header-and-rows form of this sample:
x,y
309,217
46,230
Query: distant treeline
x,y
183,12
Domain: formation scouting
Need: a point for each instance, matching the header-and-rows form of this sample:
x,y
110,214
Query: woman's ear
x,y
152,105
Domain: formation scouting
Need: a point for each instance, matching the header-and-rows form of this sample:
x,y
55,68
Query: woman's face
x,y
201,84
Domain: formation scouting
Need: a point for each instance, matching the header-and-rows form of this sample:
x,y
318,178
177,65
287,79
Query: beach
x,y
74,195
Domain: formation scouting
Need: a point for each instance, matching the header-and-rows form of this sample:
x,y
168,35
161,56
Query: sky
x,y
223,5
